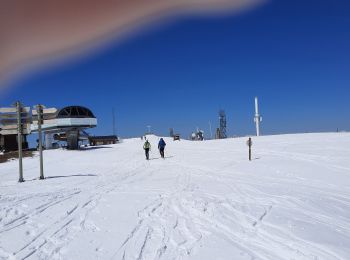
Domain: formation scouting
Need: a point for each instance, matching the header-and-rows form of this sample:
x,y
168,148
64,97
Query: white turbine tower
x,y
257,117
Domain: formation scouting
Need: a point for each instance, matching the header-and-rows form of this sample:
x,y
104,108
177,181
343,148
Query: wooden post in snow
x,y
19,140
250,144
39,110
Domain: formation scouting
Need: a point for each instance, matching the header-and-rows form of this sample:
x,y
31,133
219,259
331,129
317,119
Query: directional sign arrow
x,y
14,121
14,110
10,116
14,132
46,111
14,126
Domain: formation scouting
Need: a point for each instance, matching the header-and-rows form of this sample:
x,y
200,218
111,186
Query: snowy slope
x,y
204,201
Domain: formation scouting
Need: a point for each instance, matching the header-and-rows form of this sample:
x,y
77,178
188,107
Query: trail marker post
x,y
19,140
250,144
39,110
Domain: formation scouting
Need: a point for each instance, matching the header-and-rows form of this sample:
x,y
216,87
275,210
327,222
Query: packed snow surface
x,y
205,200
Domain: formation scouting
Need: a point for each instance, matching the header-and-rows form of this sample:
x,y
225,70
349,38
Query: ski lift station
x,y
66,124
68,118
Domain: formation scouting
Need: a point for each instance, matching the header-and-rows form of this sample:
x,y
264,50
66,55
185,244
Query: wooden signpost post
x,y
19,140
250,144
39,110
40,115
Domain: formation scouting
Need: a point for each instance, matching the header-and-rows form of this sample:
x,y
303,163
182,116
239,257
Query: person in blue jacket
x,y
161,146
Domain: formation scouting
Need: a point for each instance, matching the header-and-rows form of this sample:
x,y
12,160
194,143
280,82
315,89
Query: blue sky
x,y
294,55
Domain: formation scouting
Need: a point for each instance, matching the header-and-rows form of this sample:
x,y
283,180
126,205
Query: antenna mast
x,y
222,117
149,129
211,132
257,117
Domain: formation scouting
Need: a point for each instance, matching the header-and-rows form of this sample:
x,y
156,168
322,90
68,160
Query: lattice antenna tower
x,y
222,117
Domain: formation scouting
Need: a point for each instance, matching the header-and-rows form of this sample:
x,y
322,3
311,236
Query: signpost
x,y
6,110
19,140
12,130
47,114
9,120
39,110
250,144
41,117
48,118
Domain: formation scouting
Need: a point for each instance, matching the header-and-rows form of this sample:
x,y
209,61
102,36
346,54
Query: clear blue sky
x,y
294,55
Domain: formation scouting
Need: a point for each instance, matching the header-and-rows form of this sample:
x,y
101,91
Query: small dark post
x,y
113,114
250,143
19,140
39,110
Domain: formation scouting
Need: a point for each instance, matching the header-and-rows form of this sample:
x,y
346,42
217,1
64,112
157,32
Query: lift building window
x,y
75,112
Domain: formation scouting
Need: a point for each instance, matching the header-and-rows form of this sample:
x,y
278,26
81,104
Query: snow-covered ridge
x,y
204,201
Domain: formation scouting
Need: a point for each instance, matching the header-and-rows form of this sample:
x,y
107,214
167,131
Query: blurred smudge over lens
x,y
35,31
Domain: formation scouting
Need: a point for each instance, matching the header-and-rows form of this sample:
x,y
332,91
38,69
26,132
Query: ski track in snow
x,y
205,201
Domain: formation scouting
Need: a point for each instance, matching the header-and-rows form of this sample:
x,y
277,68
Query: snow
x,y
205,200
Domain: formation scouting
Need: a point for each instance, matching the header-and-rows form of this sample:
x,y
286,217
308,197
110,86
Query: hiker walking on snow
x,y
161,146
147,148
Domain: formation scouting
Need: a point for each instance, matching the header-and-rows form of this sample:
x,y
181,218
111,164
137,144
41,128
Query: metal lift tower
x,y
222,117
